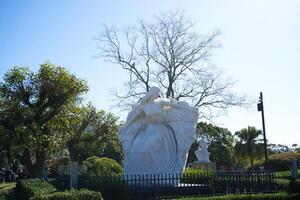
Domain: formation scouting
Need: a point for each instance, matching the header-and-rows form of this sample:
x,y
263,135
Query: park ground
x,y
8,191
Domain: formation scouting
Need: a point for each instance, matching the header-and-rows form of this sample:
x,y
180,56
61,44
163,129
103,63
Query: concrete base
x,y
203,165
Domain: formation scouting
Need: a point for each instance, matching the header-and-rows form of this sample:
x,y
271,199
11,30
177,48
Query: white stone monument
x,y
157,135
202,153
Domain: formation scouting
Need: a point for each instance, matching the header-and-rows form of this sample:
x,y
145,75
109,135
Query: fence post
x,y
74,175
294,172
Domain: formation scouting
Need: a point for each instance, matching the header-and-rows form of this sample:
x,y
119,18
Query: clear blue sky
x,y
260,48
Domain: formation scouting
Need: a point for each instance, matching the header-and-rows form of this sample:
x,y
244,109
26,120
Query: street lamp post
x,y
260,108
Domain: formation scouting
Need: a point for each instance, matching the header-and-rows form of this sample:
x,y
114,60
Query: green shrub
x,y
295,186
196,176
32,187
52,181
102,166
3,196
273,196
109,186
71,195
282,161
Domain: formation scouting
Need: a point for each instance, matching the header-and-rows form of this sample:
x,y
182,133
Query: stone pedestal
x,y
203,165
202,155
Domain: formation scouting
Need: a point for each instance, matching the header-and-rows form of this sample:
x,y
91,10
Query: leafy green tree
x,y
249,145
10,143
295,148
220,144
32,104
92,132
109,146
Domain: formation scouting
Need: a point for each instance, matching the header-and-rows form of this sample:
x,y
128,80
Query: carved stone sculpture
x,y
202,153
157,135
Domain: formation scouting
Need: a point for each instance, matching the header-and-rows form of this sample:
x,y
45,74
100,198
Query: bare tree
x,y
168,53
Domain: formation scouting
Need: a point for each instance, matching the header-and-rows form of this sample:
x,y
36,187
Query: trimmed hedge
x,y
190,170
105,185
273,196
102,166
31,187
282,161
71,195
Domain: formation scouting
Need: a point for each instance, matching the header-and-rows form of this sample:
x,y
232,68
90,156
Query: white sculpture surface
x,y
202,153
157,135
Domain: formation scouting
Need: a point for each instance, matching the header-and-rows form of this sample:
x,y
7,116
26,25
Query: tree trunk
x,y
73,149
26,160
252,163
40,161
170,91
34,170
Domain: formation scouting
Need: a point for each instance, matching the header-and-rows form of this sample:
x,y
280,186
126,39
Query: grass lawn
x,y
7,187
285,174
273,196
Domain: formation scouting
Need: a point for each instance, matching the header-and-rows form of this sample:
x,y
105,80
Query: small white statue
x,y
157,135
202,153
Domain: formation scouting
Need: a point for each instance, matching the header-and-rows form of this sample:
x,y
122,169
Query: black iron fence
x,y
157,186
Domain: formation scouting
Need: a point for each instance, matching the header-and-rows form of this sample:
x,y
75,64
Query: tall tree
x,y
295,148
220,144
10,144
34,101
91,133
167,52
249,145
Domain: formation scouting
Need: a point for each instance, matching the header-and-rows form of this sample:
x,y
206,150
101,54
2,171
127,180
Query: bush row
x,y
274,196
71,194
38,189
32,187
282,161
105,185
